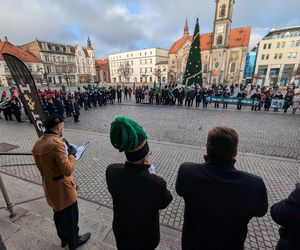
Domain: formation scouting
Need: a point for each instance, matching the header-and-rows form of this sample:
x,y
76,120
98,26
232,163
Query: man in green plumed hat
x,y
138,194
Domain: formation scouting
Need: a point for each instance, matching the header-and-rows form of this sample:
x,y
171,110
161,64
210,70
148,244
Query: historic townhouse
x,y
33,63
58,61
85,63
102,70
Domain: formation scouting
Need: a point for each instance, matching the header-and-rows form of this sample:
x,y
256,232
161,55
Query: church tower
x,y
186,29
89,48
222,23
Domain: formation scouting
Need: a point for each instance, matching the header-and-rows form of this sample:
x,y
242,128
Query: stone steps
x,y
33,227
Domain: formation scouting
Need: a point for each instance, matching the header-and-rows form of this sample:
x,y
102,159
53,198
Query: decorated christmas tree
x,y
193,69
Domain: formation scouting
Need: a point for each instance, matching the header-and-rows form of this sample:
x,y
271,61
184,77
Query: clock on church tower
x,y
222,23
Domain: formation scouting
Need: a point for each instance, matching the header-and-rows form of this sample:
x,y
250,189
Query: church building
x,y
223,51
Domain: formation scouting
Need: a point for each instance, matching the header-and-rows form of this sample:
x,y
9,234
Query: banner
x,y
27,91
231,100
277,103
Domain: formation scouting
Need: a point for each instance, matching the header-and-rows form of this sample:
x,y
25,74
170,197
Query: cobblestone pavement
x,y
261,135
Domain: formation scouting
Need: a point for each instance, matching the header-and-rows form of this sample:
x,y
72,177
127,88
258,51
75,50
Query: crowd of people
x,y
261,97
219,199
64,102
68,103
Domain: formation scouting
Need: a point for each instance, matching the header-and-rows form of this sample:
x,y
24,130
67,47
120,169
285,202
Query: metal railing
x,y
9,205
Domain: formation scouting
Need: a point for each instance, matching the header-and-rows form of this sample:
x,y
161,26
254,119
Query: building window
x,y
262,57
150,60
205,68
145,61
276,56
278,45
294,55
222,10
269,45
141,70
150,52
267,57
289,55
292,43
280,56
265,46
232,67
219,40
150,69
283,45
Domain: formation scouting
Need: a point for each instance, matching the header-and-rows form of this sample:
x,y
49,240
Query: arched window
x,y
220,40
222,11
205,68
232,67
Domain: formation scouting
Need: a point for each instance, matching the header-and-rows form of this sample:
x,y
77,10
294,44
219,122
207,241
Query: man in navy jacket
x,y
219,199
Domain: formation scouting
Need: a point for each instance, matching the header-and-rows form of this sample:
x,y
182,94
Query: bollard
x,y
6,198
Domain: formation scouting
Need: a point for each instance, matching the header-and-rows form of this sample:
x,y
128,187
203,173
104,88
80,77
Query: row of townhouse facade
x,y
52,63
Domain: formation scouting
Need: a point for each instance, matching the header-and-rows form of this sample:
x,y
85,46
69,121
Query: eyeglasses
x,y
150,153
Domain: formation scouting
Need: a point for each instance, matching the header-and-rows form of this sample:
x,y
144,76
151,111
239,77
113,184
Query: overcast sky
x,y
115,25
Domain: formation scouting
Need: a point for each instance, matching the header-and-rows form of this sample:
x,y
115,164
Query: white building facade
x,y
85,63
278,58
137,66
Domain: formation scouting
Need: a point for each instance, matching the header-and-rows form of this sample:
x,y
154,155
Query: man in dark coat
x,y
219,199
286,213
137,192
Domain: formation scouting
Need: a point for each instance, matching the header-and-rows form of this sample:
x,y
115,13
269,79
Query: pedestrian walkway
x,y
33,227
279,174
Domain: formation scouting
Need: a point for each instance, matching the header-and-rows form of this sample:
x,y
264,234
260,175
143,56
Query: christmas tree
x,y
193,69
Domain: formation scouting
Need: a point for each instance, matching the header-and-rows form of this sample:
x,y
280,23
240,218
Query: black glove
x,y
72,150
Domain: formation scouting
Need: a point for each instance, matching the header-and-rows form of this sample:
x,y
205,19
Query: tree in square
x,y
193,69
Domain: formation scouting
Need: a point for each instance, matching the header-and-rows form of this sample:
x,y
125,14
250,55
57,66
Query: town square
x,y
156,121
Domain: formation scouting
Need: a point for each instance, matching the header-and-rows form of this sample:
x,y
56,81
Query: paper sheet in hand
x,y
80,149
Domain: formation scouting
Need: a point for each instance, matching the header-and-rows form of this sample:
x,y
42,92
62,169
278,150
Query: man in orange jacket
x,y
56,168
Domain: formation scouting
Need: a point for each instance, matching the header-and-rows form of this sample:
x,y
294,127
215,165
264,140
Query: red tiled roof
x,y
7,47
99,62
238,37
